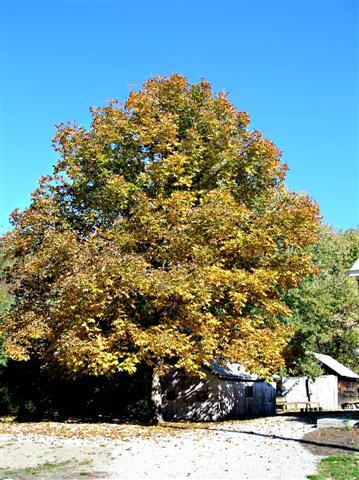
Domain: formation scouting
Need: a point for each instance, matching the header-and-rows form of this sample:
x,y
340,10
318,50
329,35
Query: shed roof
x,y
354,271
232,371
334,365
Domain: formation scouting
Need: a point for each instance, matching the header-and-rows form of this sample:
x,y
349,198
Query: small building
x,y
225,392
333,390
354,271
347,379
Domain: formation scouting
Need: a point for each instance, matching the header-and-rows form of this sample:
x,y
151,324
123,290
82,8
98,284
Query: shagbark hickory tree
x,y
165,236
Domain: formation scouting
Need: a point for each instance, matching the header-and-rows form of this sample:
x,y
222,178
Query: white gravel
x,y
234,451
260,449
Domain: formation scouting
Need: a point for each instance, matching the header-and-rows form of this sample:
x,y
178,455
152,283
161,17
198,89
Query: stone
x,y
337,423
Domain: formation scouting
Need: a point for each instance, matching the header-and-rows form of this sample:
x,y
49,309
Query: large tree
x,y
165,236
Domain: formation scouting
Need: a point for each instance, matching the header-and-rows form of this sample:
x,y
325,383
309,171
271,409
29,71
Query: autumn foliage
x,y
165,236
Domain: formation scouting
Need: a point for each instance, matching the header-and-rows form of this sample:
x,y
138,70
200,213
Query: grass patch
x,y
338,467
68,470
7,444
44,467
23,473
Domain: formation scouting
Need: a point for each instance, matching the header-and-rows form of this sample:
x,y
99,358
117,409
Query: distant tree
x,y
325,308
165,237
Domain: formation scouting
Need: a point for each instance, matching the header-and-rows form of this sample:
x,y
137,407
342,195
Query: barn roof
x,y
232,371
337,367
354,271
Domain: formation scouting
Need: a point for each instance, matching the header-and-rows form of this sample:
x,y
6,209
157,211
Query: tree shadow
x,y
311,418
313,443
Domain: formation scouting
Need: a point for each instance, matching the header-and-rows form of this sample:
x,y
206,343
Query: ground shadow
x,y
311,418
304,441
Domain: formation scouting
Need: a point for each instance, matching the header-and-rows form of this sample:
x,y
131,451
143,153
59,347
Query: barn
x,y
225,392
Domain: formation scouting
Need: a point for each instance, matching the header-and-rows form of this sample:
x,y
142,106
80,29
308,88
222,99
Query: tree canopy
x,y
165,236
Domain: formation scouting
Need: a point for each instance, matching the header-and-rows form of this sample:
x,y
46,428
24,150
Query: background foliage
x,y
325,308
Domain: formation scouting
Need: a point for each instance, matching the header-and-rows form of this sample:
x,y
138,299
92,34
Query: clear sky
x,y
292,65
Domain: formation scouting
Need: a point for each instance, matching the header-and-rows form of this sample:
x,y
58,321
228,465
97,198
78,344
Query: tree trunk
x,y
156,395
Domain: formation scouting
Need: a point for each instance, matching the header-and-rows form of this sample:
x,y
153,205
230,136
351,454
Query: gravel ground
x,y
238,450
259,449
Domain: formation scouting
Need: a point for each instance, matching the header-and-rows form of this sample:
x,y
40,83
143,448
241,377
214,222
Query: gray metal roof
x,y
354,271
337,367
232,371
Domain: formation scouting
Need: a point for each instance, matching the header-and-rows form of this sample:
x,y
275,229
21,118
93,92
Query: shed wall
x,y
260,403
323,389
212,398
348,390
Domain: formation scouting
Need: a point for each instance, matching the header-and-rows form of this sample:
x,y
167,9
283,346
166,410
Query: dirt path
x,y
265,449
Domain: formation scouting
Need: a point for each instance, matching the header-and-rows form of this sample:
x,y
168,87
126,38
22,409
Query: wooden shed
x,y
337,388
226,392
347,379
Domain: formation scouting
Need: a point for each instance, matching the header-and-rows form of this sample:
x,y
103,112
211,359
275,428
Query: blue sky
x,y
292,65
